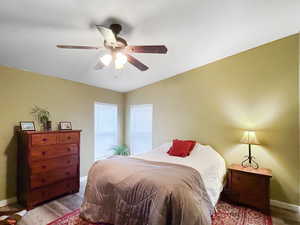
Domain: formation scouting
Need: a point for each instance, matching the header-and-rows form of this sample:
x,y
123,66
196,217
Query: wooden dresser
x,y
48,165
249,187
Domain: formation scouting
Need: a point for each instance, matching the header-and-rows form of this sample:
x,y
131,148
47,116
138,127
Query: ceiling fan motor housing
x,y
116,28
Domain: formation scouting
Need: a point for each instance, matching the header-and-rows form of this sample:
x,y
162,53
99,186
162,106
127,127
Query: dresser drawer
x,y
43,179
47,165
68,137
43,139
52,191
50,152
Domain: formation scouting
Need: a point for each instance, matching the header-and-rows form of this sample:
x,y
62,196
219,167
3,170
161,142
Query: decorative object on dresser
x,y
249,187
43,116
48,165
65,125
27,126
250,139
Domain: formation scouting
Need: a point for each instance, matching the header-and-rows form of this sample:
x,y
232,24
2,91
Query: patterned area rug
x,y
226,214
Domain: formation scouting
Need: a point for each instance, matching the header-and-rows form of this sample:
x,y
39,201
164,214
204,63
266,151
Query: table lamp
x,y
250,139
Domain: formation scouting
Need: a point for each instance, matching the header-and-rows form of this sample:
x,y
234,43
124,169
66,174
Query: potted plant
x,y
120,150
43,117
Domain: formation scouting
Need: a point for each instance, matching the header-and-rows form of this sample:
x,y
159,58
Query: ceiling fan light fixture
x,y
106,59
120,60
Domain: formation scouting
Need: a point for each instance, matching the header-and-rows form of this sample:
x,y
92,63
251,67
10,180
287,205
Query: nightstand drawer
x,y
249,189
244,181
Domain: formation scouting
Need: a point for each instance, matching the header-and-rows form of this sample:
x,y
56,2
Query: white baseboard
x,y
84,178
6,202
284,205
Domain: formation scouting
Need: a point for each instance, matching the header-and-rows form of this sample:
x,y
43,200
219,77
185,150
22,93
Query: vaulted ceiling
x,y
196,32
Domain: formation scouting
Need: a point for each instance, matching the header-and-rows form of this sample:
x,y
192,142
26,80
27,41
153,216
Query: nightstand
x,y
249,187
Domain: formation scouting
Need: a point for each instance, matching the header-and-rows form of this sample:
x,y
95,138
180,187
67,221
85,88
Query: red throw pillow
x,y
192,146
181,148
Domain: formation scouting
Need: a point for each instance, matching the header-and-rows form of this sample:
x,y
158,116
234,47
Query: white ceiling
x,y
196,32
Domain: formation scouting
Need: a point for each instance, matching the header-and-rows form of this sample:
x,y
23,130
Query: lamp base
x,y
249,162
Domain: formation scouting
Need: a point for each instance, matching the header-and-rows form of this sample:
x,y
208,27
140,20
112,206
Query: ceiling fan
x,y
119,49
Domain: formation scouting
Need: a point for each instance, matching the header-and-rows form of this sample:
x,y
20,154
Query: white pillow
x,y
164,147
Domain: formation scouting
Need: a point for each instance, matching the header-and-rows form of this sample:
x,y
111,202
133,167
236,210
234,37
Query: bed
x,y
155,188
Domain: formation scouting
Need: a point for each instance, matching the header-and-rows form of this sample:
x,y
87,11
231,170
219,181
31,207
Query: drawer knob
x,y
44,167
68,161
43,180
44,139
69,149
69,137
43,153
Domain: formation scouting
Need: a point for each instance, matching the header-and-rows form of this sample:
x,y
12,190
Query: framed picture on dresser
x,y
65,125
27,126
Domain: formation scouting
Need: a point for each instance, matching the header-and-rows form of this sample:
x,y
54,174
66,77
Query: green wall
x,y
66,100
213,104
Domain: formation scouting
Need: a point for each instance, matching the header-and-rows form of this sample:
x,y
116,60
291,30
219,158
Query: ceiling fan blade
x,y
135,62
99,65
156,49
108,35
77,47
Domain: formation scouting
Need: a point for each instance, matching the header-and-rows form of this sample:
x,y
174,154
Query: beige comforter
x,y
129,191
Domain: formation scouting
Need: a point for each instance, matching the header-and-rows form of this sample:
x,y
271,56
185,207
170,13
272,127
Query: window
x,y
106,129
140,128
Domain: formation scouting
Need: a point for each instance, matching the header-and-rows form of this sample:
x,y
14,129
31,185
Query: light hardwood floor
x,y
48,212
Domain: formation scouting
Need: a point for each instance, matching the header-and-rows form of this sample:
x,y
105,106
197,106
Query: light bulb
x,y
106,59
120,60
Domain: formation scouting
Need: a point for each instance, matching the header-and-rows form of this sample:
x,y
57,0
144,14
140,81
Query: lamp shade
x,y
250,138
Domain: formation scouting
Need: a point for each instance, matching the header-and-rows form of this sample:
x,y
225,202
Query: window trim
x,y
130,124
117,126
